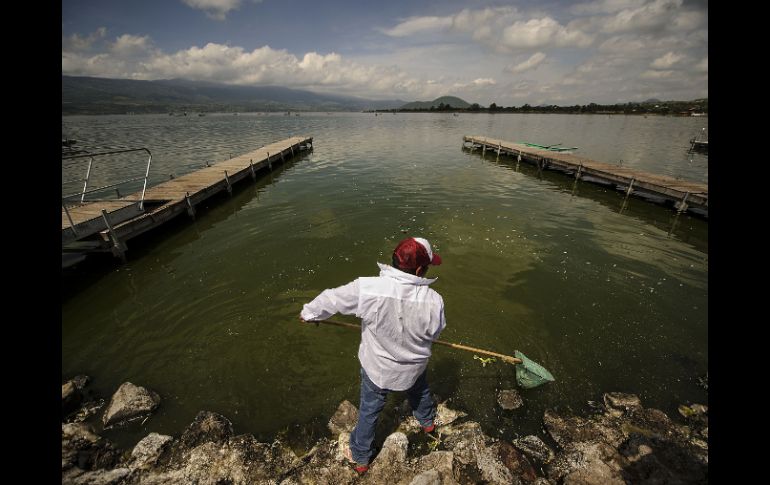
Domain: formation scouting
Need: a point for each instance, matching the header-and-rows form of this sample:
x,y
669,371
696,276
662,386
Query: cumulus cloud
x,y
498,28
216,9
581,55
605,6
534,60
135,57
666,61
418,25
80,43
651,74
476,83
130,46
651,16
543,32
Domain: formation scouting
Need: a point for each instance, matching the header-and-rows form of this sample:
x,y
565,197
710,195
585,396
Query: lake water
x,y
605,296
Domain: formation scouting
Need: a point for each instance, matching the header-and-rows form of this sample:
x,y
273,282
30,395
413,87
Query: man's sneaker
x,y
360,469
429,429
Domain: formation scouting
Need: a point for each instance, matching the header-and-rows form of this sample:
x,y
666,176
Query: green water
x,y
205,312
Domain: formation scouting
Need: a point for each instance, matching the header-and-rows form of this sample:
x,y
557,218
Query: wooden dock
x,y
683,195
106,225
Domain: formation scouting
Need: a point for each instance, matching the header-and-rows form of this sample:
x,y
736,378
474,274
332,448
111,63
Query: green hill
x,y
90,95
452,101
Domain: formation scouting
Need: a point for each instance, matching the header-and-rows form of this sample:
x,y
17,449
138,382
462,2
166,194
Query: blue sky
x,y
509,53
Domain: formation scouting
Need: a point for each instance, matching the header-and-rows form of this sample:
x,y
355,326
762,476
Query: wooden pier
x,y
106,225
683,195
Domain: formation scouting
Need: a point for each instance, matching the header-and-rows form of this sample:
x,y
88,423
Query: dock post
x,y
281,156
292,151
253,174
190,208
518,160
579,170
229,186
269,163
499,147
118,247
630,187
681,206
69,217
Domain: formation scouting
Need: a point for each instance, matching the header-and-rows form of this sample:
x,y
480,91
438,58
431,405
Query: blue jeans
x,y
372,402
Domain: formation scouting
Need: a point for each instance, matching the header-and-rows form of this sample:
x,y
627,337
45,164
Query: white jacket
x,y
400,319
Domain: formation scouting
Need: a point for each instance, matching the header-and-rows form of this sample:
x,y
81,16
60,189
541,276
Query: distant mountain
x,y
452,101
91,95
652,100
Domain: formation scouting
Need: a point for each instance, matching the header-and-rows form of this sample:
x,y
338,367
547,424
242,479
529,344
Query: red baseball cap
x,y
415,251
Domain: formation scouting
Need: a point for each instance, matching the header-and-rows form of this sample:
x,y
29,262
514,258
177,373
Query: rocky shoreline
x,y
622,442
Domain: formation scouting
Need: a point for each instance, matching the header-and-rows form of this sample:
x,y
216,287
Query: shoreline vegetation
x,y
669,108
619,442
698,108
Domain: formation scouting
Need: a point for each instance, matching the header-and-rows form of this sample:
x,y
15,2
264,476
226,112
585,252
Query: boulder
x,y
129,402
344,419
147,452
71,397
618,403
442,462
535,448
588,463
82,448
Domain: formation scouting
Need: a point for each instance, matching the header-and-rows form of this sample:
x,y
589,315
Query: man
x,y
400,318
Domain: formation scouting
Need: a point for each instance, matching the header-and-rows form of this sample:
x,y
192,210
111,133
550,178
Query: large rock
x,y
588,463
72,394
344,420
477,456
516,462
444,417
77,476
207,427
567,429
325,464
71,398
241,460
441,462
147,452
429,477
82,448
535,448
618,403
389,466
128,403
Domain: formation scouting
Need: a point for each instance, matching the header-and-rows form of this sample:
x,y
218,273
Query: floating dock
x,y
682,194
106,225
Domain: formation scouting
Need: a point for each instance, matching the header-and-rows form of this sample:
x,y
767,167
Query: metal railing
x,y
90,156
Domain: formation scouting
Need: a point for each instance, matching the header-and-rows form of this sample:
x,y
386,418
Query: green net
x,y
530,374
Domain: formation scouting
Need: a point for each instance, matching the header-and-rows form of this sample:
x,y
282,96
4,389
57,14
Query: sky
x,y
506,52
